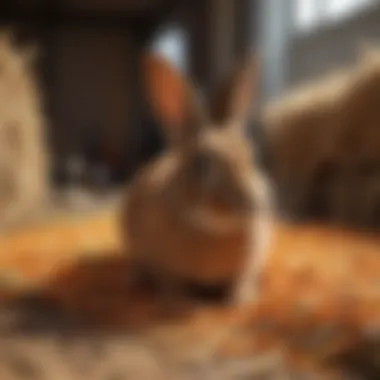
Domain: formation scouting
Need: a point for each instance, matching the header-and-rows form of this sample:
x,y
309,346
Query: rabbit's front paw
x,y
246,292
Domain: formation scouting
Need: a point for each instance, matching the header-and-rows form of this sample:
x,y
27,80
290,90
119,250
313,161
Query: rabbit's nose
x,y
248,205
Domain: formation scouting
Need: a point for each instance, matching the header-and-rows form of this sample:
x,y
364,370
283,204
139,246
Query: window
x,y
311,14
172,43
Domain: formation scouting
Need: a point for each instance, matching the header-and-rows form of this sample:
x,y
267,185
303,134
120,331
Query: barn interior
x,y
90,63
66,311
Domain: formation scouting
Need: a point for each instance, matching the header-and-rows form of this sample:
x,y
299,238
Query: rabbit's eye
x,y
202,166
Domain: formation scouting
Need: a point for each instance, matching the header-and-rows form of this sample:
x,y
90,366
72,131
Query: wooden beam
x,y
57,14
220,32
86,5
247,26
196,20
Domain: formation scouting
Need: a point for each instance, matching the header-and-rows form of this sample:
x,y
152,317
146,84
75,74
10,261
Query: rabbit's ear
x,y
173,99
234,99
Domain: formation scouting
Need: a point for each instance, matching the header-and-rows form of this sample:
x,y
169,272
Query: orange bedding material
x,y
320,290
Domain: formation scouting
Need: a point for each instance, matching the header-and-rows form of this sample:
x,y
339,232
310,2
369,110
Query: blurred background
x,y
100,128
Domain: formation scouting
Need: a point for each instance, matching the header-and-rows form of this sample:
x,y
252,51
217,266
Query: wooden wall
x,y
89,71
90,64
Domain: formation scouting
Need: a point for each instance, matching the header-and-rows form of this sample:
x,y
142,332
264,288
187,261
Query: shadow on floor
x,y
92,297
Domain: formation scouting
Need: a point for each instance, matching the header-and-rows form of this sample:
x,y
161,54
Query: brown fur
x,y
199,211
23,155
324,139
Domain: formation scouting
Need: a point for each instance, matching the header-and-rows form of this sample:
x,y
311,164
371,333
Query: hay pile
x,y
23,151
325,142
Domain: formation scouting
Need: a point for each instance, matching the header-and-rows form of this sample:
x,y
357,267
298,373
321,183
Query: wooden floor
x,y
319,310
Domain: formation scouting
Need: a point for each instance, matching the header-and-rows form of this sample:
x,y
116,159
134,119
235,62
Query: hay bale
x,y
325,143
23,151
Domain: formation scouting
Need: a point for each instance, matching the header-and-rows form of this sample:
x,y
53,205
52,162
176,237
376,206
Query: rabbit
x,y
23,149
201,211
